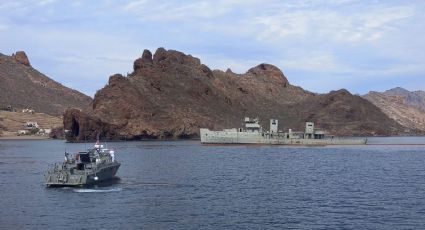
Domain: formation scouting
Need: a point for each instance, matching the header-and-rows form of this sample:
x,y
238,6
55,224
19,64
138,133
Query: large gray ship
x,y
253,133
83,168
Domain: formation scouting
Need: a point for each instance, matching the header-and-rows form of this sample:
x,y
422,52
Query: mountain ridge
x,y
171,95
413,98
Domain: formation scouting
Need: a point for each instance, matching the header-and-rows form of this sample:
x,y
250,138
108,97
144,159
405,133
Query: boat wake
x,y
86,190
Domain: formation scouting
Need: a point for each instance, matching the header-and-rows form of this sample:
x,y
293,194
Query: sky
x,y
320,45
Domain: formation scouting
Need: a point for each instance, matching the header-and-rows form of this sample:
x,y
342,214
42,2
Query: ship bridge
x,y
252,125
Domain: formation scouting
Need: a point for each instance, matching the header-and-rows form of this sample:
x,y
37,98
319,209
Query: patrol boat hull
x,y
83,168
65,177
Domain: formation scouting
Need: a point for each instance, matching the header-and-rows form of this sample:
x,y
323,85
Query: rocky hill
x,y
406,107
411,98
22,86
171,95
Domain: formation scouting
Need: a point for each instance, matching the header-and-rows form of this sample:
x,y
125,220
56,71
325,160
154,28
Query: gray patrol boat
x,y
83,168
253,133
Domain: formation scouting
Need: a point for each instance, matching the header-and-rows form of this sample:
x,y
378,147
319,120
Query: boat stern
x,y
63,179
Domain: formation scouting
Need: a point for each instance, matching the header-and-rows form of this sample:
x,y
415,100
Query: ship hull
x,y
81,177
235,137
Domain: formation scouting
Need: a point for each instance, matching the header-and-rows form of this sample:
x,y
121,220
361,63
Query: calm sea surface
x,y
184,185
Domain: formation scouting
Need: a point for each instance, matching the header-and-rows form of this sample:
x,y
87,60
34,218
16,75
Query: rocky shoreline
x,y
170,95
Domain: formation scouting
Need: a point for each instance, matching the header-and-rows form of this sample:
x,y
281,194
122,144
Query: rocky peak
x,y
116,78
340,92
415,98
229,71
144,61
21,57
398,90
166,58
147,56
269,72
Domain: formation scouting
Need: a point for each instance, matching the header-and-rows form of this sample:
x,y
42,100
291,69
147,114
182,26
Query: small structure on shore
x,y
29,111
23,132
32,125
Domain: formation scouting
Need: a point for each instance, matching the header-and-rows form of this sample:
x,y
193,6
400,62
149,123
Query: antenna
x,y
97,137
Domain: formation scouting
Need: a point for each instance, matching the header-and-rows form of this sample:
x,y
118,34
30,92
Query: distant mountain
x,y
405,107
414,98
22,86
171,95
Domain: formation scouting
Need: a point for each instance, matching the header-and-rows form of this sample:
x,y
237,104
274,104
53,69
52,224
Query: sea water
x,y
184,185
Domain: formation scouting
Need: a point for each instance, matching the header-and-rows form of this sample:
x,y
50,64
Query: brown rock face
x,y
144,61
22,58
269,74
342,113
172,95
22,86
405,107
78,123
415,99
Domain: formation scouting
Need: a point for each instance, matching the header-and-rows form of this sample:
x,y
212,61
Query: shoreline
x,y
24,138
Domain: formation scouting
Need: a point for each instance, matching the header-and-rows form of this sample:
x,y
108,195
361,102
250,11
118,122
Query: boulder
x,y
21,57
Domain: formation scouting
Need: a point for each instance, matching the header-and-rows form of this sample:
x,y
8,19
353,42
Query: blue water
x,y
184,185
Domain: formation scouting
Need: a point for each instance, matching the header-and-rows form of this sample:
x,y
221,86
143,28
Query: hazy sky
x,y
320,45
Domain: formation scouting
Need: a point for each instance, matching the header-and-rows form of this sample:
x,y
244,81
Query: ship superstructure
x,y
253,133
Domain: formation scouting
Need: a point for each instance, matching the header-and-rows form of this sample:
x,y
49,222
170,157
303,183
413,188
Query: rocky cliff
x,y
405,107
171,95
22,86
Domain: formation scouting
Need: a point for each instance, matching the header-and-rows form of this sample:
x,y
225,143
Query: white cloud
x,y
236,65
327,63
45,2
330,24
4,27
346,39
281,26
150,10
393,70
382,17
10,5
316,62
135,5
